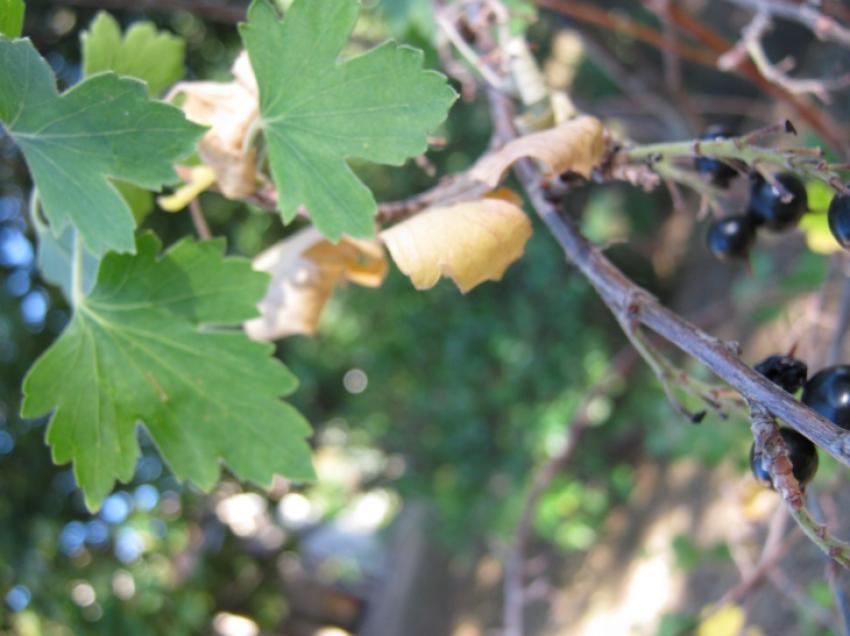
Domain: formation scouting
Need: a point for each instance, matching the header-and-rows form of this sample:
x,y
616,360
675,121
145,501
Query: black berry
x,y
767,207
785,371
839,219
732,237
828,393
720,173
801,452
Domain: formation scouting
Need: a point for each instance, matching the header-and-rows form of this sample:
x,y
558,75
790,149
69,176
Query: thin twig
x,y
817,118
514,583
199,221
832,570
842,320
467,51
790,589
620,23
713,45
756,576
821,25
751,44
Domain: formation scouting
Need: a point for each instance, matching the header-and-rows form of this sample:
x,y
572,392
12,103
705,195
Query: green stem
x,y
77,292
34,210
738,148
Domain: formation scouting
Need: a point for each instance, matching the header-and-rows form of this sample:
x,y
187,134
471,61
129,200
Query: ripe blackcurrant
x,y
732,237
839,219
720,173
801,452
767,207
828,393
785,371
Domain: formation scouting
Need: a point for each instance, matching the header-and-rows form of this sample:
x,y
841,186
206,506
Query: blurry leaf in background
x,y
155,57
522,14
230,110
11,18
575,146
727,621
305,269
139,353
402,15
469,242
819,238
815,224
317,112
105,127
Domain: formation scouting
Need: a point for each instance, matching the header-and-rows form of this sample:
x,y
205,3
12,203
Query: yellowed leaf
x,y
305,269
505,194
576,145
230,110
727,621
469,242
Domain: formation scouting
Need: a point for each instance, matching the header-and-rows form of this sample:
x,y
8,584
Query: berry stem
x,y
770,444
801,161
653,359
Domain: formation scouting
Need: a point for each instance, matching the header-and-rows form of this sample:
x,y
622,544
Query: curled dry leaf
x,y
576,145
470,242
229,109
305,269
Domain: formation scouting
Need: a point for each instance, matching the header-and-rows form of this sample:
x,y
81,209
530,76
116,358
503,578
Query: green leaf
x,y
155,57
55,255
139,199
316,112
11,17
103,128
140,348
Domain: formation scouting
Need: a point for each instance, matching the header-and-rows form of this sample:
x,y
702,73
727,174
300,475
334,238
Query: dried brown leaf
x,y
305,270
469,242
229,109
575,146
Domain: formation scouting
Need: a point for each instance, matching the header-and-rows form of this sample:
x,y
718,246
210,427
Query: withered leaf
x,y
576,145
469,242
229,109
305,269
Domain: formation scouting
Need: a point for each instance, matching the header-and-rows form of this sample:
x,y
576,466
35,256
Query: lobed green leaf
x,y
103,128
140,349
316,112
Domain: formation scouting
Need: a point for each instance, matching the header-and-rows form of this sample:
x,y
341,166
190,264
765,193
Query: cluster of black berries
x,y
733,237
827,393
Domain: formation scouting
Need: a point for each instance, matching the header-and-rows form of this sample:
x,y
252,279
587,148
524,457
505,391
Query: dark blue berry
x,y
732,237
801,452
720,173
785,371
828,393
839,219
767,207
